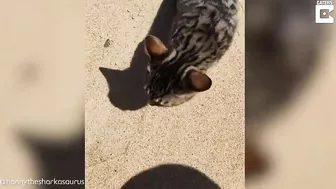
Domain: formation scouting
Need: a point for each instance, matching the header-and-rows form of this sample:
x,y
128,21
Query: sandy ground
x,y
125,137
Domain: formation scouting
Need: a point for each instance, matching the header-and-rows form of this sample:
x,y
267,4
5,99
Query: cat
x,y
202,32
280,59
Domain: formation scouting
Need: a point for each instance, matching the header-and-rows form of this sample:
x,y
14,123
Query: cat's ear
x,y
154,47
198,81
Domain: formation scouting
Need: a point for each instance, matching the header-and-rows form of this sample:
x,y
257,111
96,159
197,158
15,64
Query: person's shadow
x,y
64,162
127,86
172,176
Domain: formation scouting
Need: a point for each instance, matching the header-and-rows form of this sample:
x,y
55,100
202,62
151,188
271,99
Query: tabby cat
x,y
202,31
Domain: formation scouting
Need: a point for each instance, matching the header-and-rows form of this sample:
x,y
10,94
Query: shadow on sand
x,y
170,176
60,161
126,86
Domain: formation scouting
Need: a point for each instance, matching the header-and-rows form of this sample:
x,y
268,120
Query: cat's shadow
x,y
127,86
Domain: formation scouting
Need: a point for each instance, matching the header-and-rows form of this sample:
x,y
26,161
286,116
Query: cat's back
x,y
209,16
207,23
227,7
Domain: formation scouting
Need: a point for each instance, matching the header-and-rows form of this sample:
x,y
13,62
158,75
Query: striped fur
x,y
202,32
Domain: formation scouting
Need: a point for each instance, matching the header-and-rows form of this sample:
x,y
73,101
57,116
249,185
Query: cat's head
x,y
170,82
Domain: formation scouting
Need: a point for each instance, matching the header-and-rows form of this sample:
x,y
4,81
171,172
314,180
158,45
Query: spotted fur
x,y
202,31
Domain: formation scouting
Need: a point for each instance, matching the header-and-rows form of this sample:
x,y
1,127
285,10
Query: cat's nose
x,y
153,103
